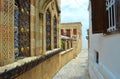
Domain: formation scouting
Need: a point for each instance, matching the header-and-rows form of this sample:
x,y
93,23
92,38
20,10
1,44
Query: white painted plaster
x,y
108,47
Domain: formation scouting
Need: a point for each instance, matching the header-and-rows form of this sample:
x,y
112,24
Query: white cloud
x,y
76,11
74,3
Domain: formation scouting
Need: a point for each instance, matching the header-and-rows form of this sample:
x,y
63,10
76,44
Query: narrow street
x,y
76,68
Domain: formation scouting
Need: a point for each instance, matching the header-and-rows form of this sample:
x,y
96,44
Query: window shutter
x,y
68,32
105,17
75,31
99,16
62,32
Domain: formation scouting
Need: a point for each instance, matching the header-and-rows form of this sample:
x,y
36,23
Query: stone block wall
x,y
66,56
48,68
45,70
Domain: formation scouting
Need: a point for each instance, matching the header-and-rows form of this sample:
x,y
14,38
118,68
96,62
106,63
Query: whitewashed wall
x,y
108,47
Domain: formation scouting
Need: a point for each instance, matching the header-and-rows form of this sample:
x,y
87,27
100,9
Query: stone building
x,y
30,39
72,32
27,27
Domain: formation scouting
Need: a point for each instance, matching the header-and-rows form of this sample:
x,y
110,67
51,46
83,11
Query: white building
x,y
104,32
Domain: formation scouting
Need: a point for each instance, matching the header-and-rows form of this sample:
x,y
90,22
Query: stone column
x,y
37,32
52,31
32,28
41,33
65,44
44,35
69,44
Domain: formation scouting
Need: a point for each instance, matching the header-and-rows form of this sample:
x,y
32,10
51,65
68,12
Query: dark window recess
x,y
75,31
62,32
48,30
99,16
97,57
68,32
55,32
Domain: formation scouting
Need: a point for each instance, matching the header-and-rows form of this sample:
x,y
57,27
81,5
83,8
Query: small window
x,y
68,32
97,57
75,31
62,32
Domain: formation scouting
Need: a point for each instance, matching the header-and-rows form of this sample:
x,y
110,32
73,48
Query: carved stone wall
x,y
37,38
6,31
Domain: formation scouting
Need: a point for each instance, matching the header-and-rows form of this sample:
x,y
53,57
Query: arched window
x,y
48,30
22,28
55,32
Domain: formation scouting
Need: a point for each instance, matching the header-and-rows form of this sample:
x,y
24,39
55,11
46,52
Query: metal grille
x,y
111,8
48,30
22,28
55,32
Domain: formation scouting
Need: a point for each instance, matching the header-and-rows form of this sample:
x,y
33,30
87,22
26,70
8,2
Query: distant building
x,y
104,36
73,31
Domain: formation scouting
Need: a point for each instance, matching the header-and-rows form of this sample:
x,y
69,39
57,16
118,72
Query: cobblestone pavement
x,y
76,68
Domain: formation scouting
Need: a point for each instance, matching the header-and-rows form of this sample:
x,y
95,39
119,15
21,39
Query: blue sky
x,y
76,11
